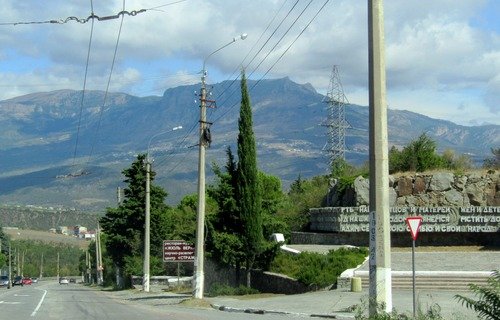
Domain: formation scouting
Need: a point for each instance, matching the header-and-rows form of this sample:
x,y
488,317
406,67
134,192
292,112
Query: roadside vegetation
x,y
487,302
318,270
36,258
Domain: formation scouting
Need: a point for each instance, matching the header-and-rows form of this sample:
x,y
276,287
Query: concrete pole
x,y
101,275
10,267
380,261
41,267
145,278
199,277
58,266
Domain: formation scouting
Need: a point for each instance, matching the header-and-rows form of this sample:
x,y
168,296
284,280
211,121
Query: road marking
x,y
21,295
39,303
4,302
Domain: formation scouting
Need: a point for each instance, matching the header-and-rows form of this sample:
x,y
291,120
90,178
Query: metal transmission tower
x,y
336,123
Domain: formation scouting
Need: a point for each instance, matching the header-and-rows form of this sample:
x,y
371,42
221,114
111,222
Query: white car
x,y
63,280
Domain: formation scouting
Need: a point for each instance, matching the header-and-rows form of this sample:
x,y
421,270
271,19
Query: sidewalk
x,y
340,303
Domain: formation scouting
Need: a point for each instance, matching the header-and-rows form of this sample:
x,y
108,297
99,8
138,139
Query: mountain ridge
x,y
41,133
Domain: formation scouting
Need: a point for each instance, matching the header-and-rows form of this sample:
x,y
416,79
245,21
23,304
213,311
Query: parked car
x,y
35,280
63,280
27,281
18,281
4,281
72,280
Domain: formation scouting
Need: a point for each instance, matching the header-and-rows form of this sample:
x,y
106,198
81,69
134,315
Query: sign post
x,y
414,224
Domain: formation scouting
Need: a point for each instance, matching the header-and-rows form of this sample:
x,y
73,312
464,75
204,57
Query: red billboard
x,y
177,251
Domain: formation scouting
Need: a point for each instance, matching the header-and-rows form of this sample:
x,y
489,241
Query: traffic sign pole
x,y
414,224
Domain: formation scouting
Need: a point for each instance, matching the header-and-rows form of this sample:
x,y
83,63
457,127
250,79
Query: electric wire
x,y
107,90
268,39
291,44
84,85
280,39
273,65
249,51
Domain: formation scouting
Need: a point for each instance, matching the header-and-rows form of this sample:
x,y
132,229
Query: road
x,y
51,301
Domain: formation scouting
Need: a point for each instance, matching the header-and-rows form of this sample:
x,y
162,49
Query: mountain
x,y
58,151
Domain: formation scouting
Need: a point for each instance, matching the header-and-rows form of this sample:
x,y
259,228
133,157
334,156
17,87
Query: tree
x,y
124,226
487,306
4,248
419,155
493,162
248,192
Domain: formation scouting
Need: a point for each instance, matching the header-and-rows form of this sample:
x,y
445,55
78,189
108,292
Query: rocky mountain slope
x,y
41,166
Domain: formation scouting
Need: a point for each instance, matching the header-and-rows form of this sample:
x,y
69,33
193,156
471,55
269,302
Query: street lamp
x,y
199,277
145,278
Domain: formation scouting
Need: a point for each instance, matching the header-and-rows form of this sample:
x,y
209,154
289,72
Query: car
x,y
72,280
18,281
27,281
34,279
63,280
4,281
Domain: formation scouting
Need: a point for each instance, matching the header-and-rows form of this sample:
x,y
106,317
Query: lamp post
x,y
199,276
145,278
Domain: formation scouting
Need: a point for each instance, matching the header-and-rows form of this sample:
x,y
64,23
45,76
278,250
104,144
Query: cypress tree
x,y
248,191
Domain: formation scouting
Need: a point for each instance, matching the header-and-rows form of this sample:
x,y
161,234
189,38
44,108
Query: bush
x,y
488,304
218,289
318,269
360,311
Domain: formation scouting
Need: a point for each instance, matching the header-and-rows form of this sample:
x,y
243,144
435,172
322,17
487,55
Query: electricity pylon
x,y
336,122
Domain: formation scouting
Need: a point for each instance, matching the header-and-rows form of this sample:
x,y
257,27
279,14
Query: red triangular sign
x,y
414,224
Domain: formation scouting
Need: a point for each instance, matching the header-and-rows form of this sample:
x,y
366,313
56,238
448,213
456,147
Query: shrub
x,y
318,269
218,289
487,306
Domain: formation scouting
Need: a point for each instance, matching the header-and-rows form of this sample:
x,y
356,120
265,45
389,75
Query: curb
x,y
261,311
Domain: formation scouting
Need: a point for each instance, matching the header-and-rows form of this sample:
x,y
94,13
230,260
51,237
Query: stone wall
x,y
481,188
261,280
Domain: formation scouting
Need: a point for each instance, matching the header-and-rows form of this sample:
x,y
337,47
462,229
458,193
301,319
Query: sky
x,y
442,56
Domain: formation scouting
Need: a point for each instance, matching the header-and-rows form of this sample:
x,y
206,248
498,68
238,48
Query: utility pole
x,y
58,267
380,292
119,195
145,278
22,263
199,276
10,267
41,267
98,255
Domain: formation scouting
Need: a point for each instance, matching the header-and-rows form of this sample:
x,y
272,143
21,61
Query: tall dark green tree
x,y
248,191
124,226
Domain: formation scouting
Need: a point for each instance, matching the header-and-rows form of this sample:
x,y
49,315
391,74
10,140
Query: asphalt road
x,y
51,301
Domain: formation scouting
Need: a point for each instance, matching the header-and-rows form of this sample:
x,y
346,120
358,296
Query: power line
x,y
251,49
84,84
291,44
274,64
79,20
282,37
107,89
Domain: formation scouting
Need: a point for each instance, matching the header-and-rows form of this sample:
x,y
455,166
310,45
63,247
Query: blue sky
x,y
443,56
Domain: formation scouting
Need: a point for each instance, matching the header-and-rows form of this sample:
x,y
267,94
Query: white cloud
x,y
438,58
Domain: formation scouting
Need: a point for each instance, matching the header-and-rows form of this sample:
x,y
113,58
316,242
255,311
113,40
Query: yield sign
x,y
414,224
